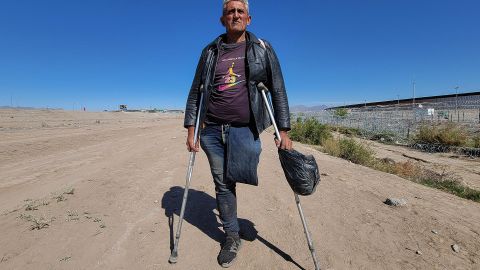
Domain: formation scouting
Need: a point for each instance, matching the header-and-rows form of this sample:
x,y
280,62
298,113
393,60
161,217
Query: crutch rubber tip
x,y
173,258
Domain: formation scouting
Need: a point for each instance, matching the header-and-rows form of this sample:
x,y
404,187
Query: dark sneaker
x,y
229,251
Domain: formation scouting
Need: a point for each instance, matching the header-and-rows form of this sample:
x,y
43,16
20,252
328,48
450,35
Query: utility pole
x,y
456,98
398,105
413,102
11,100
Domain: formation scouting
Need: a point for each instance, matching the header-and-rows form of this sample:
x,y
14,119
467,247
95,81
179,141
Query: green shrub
x,y
476,141
453,135
349,149
449,134
347,130
310,131
355,152
332,147
426,134
341,112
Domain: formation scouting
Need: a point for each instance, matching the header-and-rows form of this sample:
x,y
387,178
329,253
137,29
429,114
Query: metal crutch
x,y
191,162
264,89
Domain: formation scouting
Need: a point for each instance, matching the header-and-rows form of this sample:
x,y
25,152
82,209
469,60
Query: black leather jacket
x,y
261,66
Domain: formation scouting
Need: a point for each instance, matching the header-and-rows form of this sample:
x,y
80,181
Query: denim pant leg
x,y
215,148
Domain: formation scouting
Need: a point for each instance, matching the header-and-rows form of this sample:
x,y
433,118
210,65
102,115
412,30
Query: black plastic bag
x,y
301,171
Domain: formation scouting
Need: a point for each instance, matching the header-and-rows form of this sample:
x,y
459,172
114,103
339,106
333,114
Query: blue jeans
x,y
213,139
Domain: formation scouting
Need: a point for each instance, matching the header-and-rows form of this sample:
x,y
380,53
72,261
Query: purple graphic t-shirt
x,y
229,101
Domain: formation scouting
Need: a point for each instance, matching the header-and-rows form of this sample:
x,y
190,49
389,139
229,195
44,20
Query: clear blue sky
x,y
101,53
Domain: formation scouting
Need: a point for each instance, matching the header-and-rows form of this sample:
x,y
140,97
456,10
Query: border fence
x,y
401,121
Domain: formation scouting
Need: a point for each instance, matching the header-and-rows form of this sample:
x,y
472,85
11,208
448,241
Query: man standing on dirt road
x,y
233,113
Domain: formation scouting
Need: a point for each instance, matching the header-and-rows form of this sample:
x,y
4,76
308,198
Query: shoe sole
x,y
226,265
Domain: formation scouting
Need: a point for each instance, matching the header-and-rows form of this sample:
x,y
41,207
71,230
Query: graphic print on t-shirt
x,y
231,78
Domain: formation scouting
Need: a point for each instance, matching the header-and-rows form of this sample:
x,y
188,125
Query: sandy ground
x,y
128,173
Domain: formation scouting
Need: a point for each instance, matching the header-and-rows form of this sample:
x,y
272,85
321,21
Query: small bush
x,y
449,134
332,147
341,112
426,134
349,149
347,130
452,135
407,170
355,152
476,141
384,166
384,136
310,131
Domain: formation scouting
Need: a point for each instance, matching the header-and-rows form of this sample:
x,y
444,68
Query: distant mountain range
x,y
27,108
20,108
303,108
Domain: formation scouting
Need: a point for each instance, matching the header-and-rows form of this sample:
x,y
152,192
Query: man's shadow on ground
x,y
199,213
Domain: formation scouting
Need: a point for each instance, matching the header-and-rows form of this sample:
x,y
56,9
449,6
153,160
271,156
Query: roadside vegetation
x,y
341,112
310,131
476,141
445,181
347,130
449,134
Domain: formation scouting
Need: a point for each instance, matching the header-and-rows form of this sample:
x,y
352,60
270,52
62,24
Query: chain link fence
x,y
399,122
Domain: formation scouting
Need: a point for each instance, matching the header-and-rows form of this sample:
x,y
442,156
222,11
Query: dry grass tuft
x,y
332,147
415,172
37,223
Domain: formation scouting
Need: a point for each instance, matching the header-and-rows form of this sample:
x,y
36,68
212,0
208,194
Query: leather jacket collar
x,y
250,37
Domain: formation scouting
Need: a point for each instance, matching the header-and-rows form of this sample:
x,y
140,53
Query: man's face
x,y
235,17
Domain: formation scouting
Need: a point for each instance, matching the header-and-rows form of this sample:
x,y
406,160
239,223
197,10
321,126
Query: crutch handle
x,y
261,87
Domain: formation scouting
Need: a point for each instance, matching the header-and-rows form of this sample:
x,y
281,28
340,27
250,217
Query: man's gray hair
x,y
243,1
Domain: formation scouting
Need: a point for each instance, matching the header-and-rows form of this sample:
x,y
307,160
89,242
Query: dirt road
x,y
127,172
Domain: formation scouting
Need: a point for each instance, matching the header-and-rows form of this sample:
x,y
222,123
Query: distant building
x,y
123,107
